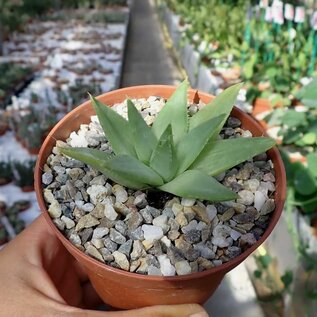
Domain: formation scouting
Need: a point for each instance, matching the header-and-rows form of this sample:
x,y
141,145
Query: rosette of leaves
x,y
178,154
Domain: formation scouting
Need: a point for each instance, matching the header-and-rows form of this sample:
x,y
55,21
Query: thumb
x,y
186,310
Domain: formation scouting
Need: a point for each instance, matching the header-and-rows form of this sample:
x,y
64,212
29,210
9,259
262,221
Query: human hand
x,y
38,277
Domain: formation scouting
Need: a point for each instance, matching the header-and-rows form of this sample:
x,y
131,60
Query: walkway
x,y
147,59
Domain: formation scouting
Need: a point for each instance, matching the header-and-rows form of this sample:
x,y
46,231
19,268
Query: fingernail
x,y
201,314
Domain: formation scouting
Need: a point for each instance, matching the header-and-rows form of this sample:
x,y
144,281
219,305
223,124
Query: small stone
x,y
204,251
120,193
166,241
173,234
153,270
133,220
140,201
194,266
86,221
191,226
205,234
110,213
192,236
68,222
173,224
86,235
106,254
246,197
75,173
125,248
47,178
143,267
235,235
147,217
166,267
243,218
189,213
233,252
148,244
201,214
182,268
239,208
88,207
267,207
217,262
211,211
92,251
116,236
177,208
245,226
121,209
152,232
188,202
233,122
253,212
267,186
98,180
204,264
153,211
160,221
134,265
121,260
138,250
247,239
181,219
168,212
59,224
259,200
137,234
97,193
55,209
252,184
110,245
121,227
98,243
74,238
100,232
105,222
268,177
220,234
227,215
243,174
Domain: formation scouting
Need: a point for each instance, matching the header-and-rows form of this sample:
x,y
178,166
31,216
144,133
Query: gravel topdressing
x,y
156,233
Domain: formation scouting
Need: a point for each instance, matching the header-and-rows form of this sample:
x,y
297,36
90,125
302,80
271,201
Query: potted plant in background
x,y
173,228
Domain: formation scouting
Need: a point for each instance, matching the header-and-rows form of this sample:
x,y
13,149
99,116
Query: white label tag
x,y
289,12
299,15
313,21
268,14
277,12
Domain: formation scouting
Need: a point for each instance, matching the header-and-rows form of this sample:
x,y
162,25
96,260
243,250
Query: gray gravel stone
x,y
125,248
121,260
117,237
86,221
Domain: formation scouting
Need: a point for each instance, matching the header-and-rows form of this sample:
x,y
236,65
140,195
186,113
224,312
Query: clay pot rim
x,y
124,92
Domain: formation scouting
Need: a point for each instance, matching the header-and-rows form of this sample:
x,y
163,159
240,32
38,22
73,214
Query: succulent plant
x,y
23,172
177,154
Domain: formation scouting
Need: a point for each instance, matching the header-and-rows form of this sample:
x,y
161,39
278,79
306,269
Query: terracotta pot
x,y
130,290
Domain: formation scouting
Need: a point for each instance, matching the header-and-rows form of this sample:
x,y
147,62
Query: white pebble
x,y
182,268
69,223
166,267
100,232
110,213
259,200
188,202
160,221
211,211
152,232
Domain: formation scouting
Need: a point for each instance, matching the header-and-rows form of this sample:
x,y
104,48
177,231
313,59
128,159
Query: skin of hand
x,y
38,277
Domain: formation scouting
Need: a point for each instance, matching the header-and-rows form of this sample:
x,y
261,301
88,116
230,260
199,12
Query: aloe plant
x,y
177,154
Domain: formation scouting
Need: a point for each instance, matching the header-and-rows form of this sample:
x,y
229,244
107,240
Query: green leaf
x,y
309,138
304,181
143,138
162,159
287,279
308,94
190,146
257,273
221,155
131,168
293,119
196,184
116,128
221,105
265,260
174,113
312,163
97,160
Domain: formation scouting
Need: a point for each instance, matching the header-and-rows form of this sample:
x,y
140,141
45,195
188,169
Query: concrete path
x,y
147,59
